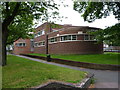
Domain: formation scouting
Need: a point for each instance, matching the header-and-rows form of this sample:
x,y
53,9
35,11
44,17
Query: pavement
x,y
103,78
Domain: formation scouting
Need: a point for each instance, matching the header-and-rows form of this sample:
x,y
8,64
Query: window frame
x,y
23,44
68,38
39,33
54,40
39,44
89,37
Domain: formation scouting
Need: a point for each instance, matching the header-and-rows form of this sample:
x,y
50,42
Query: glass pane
x,y
39,44
35,35
86,37
60,38
17,44
23,44
43,43
36,44
43,32
55,39
52,39
20,44
38,33
74,37
69,37
65,38
91,37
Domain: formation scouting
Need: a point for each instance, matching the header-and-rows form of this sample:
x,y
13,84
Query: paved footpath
x,y
104,78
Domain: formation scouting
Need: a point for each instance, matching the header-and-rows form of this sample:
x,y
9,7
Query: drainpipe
x,y
48,55
46,43
31,45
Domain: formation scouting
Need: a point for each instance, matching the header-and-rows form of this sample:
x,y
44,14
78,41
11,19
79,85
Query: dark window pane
x,y
86,37
91,38
23,44
69,37
20,44
74,37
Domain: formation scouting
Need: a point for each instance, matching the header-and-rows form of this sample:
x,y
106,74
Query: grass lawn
x,y
23,73
106,58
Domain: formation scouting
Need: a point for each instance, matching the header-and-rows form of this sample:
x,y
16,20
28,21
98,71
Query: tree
x,y
17,20
97,10
110,35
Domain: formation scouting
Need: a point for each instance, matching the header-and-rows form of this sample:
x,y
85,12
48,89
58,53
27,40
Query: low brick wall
x,y
59,85
87,65
79,64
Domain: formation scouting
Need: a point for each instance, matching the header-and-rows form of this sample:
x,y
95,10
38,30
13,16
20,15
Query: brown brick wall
x,y
75,47
80,37
22,50
53,34
39,49
40,38
68,31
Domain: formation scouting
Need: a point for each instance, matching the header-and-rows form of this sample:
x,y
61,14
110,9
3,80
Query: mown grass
x,y
24,73
0,77
106,58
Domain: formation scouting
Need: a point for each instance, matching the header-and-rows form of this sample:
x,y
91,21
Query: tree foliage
x,y
25,12
110,35
97,10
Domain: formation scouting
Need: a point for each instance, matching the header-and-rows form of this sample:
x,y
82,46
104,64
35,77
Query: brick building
x,y
63,39
23,46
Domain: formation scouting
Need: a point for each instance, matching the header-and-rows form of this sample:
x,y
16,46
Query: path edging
x,y
79,64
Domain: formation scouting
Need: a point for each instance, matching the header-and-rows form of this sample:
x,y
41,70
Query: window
x,y
89,37
24,44
86,37
92,37
21,44
37,44
53,39
42,32
35,35
74,37
68,37
32,43
41,43
39,33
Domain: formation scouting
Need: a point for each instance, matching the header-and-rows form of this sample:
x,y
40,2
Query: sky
x,y
74,18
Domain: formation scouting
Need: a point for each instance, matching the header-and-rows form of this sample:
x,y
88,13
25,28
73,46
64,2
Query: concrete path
x,y
104,78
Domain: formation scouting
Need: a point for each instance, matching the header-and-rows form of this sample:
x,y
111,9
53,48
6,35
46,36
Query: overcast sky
x,y
74,18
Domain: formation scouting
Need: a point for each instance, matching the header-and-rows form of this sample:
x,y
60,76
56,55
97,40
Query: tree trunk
x,y
4,41
4,53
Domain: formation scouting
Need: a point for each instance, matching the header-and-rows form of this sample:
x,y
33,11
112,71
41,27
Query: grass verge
x,y
106,58
24,73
